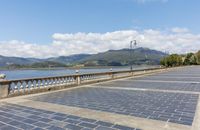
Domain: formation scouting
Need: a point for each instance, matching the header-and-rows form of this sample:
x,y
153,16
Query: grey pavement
x,y
172,107
151,102
18,117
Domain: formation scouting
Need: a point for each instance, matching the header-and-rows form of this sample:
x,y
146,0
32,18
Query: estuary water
x,y
21,74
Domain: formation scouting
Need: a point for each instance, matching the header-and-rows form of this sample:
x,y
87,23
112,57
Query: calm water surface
x,y
19,74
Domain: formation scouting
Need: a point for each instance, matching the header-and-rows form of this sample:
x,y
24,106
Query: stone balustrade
x,y
10,88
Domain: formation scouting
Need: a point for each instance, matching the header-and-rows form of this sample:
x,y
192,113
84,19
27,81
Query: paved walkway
x,y
162,101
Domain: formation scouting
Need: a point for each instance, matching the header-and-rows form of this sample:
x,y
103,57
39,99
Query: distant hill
x,y
5,61
125,57
18,61
69,59
47,64
121,57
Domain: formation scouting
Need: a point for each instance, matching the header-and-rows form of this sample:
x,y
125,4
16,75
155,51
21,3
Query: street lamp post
x,y
131,48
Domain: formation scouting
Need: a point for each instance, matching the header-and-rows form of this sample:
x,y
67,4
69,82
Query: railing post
x,y
132,73
78,79
112,75
4,87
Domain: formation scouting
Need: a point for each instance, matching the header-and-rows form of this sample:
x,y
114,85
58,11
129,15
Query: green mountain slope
x,y
69,59
4,60
125,57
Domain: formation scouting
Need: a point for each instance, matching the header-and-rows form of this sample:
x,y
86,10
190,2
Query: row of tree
x,y
178,60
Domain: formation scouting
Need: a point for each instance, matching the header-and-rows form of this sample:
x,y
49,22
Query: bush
x,y
172,60
177,60
190,59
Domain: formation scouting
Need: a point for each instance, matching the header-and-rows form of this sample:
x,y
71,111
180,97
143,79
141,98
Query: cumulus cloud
x,y
176,40
23,49
179,30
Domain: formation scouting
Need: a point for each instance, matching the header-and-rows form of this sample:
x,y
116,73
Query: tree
x,y
163,61
177,60
198,57
172,60
190,59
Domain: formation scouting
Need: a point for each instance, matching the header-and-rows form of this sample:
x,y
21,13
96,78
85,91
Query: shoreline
x,y
63,68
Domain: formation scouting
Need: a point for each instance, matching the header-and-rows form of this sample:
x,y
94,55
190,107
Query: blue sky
x,y
36,22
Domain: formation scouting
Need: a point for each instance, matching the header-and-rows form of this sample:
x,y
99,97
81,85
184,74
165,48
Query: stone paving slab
x,y
125,120
38,119
178,74
146,84
170,107
184,79
193,79
190,70
181,74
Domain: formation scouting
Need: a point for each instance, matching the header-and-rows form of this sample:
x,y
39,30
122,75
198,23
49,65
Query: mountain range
x,y
121,57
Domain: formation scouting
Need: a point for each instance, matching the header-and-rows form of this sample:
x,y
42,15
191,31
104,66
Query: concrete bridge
x,y
151,99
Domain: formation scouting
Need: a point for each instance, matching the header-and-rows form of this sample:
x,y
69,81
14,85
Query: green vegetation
x,y
124,57
178,60
47,64
198,57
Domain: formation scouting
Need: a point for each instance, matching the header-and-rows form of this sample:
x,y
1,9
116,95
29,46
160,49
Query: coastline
x,y
63,68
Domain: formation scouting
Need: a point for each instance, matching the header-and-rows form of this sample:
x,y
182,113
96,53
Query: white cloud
x,y
173,41
179,30
23,49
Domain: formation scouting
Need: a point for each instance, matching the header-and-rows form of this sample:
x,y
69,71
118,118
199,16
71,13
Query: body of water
x,y
21,74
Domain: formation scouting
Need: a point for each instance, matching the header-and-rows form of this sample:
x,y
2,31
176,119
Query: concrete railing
x,y
33,85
